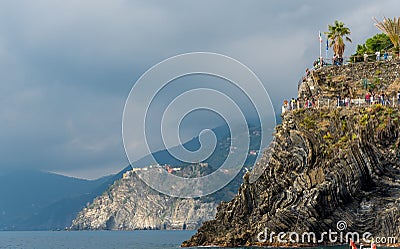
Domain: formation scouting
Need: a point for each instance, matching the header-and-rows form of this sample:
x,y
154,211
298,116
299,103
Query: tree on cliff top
x,y
391,27
336,34
379,42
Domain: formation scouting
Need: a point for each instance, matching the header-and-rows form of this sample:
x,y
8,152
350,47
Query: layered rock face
x,y
130,204
326,165
352,80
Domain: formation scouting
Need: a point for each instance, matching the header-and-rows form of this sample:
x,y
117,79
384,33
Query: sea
x,y
149,239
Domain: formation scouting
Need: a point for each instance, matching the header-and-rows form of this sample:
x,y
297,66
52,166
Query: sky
x,y
67,67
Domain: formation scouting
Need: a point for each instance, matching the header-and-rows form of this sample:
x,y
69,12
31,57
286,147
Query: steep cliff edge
x,y
129,204
327,165
352,81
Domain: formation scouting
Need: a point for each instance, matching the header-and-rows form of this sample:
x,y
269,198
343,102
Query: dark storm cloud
x,y
66,67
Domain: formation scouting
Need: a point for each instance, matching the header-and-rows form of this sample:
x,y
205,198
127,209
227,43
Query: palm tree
x,y
391,27
335,35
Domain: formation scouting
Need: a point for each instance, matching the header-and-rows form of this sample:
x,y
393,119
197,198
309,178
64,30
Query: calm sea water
x,y
93,239
97,240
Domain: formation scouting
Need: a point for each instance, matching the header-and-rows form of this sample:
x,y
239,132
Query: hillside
x,y
130,204
329,166
35,200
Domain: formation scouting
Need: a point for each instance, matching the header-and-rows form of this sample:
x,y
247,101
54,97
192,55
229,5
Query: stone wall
x,y
350,80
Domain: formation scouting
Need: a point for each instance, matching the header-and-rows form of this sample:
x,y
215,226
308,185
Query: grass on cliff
x,y
338,128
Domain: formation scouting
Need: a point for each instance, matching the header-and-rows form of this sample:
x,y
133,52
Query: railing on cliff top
x,y
357,59
338,103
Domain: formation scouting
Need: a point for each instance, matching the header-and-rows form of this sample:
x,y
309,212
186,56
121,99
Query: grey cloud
x,y
66,67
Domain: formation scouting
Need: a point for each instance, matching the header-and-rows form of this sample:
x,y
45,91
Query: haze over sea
x,y
97,239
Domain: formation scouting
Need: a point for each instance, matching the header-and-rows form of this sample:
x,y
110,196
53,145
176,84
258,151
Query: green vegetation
x,y
336,34
343,139
382,126
379,42
309,123
344,125
377,81
328,137
337,129
364,119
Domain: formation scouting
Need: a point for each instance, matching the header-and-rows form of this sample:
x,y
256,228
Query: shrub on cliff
x,y
379,42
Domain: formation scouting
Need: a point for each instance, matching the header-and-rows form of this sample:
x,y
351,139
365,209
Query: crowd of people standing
x,y
370,99
382,98
378,56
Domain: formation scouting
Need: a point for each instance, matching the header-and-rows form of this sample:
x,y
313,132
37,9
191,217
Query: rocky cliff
x,y
328,166
352,81
130,204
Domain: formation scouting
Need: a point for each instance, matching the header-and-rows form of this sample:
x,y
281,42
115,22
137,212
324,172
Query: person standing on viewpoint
x,y
365,57
378,55
398,97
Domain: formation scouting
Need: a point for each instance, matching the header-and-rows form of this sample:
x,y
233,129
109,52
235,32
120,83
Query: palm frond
x,y
391,27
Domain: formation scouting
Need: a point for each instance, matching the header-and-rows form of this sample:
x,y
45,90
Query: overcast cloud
x,y
66,67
